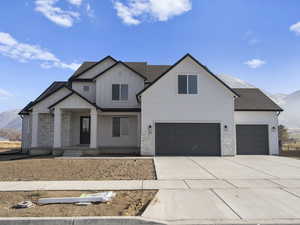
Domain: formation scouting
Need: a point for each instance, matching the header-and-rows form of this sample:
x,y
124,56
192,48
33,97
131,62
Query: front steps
x,y
72,153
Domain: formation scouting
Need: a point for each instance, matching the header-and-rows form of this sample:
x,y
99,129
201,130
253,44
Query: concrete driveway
x,y
241,189
238,167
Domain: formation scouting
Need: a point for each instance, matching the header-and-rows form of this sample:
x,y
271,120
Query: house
x,y
112,106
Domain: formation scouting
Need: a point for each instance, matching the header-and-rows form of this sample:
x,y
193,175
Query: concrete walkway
x,y
149,184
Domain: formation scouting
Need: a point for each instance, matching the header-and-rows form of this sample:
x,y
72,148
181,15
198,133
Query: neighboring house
x,y
132,107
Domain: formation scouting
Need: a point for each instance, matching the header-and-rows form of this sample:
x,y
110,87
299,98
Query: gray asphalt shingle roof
x,y
253,99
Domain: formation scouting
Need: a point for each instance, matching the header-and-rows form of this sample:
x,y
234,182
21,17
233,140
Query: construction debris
x,y
83,199
23,205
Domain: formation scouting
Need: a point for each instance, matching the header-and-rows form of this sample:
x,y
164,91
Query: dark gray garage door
x,y
252,139
187,139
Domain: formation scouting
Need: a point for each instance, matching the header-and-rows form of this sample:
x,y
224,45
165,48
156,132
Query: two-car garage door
x,y
187,139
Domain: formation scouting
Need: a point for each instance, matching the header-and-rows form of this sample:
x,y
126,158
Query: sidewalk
x,y
148,184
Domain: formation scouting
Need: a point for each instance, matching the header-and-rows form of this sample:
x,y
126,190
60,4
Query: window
x,y
86,88
120,92
120,126
187,84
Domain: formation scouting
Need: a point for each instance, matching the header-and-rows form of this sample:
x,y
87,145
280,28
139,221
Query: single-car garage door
x,y
252,139
187,139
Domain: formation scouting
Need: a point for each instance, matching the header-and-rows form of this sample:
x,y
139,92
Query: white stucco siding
x,y
265,118
42,107
97,69
105,138
214,103
90,94
118,75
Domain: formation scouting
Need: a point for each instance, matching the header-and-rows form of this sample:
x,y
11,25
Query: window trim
x,y
120,92
187,84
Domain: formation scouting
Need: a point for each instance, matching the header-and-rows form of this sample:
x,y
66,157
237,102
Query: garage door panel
x,y
187,139
252,139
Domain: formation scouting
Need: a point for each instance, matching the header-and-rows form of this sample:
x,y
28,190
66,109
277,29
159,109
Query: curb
x,y
127,220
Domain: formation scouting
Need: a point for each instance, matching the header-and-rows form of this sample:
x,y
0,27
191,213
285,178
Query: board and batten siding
x,y
42,107
214,103
105,133
119,74
91,73
90,94
263,118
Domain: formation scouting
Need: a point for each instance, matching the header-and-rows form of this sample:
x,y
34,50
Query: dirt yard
x,y
126,203
77,169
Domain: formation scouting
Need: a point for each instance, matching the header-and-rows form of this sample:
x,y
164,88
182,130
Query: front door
x,y
85,130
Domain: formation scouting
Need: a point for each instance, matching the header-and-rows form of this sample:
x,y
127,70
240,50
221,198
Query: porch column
x,y
57,128
94,128
139,129
34,132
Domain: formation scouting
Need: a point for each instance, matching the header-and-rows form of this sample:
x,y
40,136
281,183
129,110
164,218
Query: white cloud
x,y
55,14
295,28
23,52
255,63
135,11
90,12
75,2
4,93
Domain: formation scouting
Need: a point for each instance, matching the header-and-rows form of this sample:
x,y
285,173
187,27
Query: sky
x,y
42,41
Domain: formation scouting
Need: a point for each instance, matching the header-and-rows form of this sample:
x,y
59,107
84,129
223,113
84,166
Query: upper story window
x,y
120,92
86,88
187,84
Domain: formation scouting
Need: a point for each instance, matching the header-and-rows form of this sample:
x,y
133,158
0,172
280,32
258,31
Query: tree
x,y
283,133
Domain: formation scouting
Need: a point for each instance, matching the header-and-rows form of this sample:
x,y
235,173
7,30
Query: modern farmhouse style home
x,y
111,106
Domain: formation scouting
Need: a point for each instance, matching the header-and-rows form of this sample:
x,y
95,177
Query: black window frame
x,y
184,86
118,91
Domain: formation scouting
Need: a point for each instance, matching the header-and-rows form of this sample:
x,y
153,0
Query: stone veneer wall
x,y
26,132
45,133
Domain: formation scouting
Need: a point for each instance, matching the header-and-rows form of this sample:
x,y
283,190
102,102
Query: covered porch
x,y
76,126
92,132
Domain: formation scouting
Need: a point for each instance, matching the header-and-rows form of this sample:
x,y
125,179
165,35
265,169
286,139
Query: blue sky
x,y
42,41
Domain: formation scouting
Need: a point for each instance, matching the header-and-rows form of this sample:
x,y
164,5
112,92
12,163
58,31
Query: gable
x,y
208,88
94,68
119,74
43,105
200,67
71,101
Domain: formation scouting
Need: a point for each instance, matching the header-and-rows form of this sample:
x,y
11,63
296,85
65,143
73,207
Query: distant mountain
x,y
234,82
10,120
290,117
290,103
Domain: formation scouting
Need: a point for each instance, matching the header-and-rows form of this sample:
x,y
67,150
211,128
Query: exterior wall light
x,y
150,129
225,127
273,128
